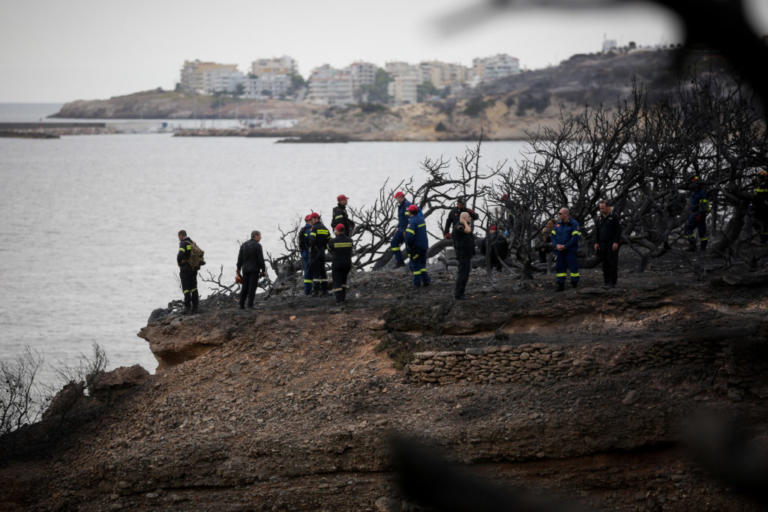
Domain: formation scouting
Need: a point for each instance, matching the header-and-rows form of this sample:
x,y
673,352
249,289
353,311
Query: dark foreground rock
x,y
586,395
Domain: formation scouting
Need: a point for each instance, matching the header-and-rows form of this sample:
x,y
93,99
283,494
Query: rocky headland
x,y
585,395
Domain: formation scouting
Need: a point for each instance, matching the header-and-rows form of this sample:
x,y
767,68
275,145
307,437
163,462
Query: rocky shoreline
x,y
290,406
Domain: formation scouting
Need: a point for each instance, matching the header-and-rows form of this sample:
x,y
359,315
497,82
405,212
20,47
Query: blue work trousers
x,y
567,263
395,244
307,273
418,265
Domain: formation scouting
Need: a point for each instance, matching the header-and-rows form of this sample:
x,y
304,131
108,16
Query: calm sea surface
x,y
88,224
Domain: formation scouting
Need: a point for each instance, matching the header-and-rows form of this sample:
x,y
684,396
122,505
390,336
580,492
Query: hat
x,y
339,227
308,217
399,194
505,197
493,227
413,208
341,197
315,215
461,199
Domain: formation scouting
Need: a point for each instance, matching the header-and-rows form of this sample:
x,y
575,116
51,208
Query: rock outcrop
x,y
585,394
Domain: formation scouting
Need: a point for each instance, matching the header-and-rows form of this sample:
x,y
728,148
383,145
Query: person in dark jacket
x,y
417,243
304,249
607,238
697,218
497,244
340,248
340,215
464,244
250,266
402,224
544,244
453,216
760,205
318,241
187,274
565,242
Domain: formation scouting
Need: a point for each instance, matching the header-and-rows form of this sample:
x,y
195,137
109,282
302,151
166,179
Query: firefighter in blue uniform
x,y
402,224
565,241
417,243
318,242
304,248
697,217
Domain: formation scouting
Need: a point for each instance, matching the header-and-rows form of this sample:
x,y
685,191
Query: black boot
x,y
195,302
704,245
560,286
574,284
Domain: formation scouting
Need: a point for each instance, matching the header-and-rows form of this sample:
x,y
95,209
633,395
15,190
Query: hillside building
x,y
284,65
209,77
498,66
331,86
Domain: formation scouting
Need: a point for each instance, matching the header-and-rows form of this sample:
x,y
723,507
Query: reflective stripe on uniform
x,y
761,190
338,217
181,249
395,249
553,232
307,281
576,233
704,238
313,234
561,274
342,244
414,256
421,225
409,230
575,274
189,247
323,232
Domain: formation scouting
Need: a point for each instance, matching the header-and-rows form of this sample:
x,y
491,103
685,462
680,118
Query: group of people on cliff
x,y
560,237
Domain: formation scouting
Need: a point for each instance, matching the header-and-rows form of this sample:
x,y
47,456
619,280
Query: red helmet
x,y
493,227
413,208
505,197
315,215
339,227
341,197
308,217
399,194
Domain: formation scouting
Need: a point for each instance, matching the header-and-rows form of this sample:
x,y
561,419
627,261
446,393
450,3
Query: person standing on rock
x,y
318,241
417,244
607,238
565,242
304,249
340,215
402,224
341,262
464,244
453,216
189,258
250,260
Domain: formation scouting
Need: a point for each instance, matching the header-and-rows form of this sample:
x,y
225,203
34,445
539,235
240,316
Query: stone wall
x,y
540,362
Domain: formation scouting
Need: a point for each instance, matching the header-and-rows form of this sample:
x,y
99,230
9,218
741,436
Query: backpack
x,y
196,256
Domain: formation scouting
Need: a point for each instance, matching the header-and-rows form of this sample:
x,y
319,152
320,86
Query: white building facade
x,y
331,86
210,77
498,66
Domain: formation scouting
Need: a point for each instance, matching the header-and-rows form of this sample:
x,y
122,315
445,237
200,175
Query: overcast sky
x,y
61,50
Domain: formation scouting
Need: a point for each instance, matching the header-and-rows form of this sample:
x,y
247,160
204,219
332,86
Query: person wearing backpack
x,y
189,258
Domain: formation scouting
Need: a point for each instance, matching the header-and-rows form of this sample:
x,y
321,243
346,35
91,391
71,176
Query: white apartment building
x,y
330,86
363,73
266,86
443,74
609,45
210,77
498,66
284,65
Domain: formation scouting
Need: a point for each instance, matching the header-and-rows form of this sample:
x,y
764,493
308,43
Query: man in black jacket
x,y
464,244
341,250
340,215
607,238
250,260
187,274
453,216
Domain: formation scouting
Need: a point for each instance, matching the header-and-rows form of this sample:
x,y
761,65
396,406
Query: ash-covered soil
x,y
290,406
